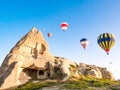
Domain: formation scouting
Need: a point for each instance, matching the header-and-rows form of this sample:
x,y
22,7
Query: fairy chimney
x,y
28,59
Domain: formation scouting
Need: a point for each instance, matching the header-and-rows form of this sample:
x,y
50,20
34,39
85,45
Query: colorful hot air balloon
x,y
49,35
84,42
64,26
106,41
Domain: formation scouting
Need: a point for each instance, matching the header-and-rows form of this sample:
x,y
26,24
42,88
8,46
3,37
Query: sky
x,y
86,19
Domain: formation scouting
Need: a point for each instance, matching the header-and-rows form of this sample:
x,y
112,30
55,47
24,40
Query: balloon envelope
x,y
84,42
64,26
106,41
49,34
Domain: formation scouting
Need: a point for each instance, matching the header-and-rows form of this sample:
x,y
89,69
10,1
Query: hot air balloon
x,y
49,35
110,62
84,42
64,26
106,41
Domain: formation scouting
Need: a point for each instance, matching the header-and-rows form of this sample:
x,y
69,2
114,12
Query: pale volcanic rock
x,y
31,52
95,71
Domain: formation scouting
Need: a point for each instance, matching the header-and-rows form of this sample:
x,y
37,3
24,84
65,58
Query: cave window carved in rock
x,y
41,72
48,74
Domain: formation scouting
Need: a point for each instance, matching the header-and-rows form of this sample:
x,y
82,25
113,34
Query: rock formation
x,y
95,71
30,59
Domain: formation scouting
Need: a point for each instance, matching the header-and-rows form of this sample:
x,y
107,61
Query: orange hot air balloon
x,y
49,35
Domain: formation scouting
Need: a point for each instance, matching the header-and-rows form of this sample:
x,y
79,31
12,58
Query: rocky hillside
x,y
30,59
84,83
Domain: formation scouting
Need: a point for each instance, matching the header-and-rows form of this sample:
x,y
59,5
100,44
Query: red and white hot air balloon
x,y
64,26
49,35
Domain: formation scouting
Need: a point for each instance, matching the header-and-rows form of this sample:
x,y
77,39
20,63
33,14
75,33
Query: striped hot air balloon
x,y
64,26
84,42
106,41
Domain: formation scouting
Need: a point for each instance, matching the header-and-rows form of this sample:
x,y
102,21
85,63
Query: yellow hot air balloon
x,y
106,41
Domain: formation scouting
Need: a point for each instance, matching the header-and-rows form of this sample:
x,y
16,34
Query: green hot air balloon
x,y
106,41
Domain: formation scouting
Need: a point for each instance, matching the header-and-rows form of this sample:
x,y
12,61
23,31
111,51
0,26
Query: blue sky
x,y
86,19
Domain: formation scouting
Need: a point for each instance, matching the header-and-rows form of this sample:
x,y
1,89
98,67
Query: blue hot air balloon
x,y
84,42
106,41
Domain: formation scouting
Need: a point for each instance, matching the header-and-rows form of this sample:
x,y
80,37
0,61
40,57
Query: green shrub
x,y
32,86
83,83
35,86
76,84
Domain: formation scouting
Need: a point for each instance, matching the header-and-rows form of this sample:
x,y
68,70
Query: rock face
x,y
95,71
30,59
